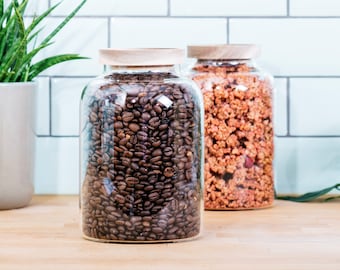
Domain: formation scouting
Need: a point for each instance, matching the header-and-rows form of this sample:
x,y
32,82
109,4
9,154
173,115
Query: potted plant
x,y
18,70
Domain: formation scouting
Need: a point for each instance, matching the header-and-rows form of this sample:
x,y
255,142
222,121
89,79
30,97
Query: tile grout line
x,y
169,9
228,30
109,32
288,8
288,106
307,76
275,76
307,136
50,105
210,17
57,136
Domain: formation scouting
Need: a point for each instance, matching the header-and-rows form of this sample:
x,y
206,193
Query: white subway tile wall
x,y
318,114
280,106
115,8
306,164
33,7
300,48
292,47
315,8
66,93
166,32
82,36
228,8
56,165
42,107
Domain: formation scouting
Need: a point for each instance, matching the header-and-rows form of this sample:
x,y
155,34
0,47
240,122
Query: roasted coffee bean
x,y
154,122
153,196
157,152
157,108
142,135
123,141
156,143
168,151
120,199
168,172
127,116
143,167
146,116
155,159
132,180
134,127
118,125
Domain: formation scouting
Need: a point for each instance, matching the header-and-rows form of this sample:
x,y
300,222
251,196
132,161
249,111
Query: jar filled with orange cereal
x,y
238,168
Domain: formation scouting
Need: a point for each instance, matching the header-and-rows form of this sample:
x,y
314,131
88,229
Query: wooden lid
x,y
141,57
224,51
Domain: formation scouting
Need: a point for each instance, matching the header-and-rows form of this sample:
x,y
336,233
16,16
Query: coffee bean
x,y
157,152
168,151
153,196
134,166
157,108
157,230
146,116
121,185
127,116
168,172
132,180
123,141
120,199
154,122
134,127
156,143
163,127
128,154
155,159
139,154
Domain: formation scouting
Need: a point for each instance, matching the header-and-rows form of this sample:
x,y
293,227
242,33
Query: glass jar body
x,y
238,167
141,157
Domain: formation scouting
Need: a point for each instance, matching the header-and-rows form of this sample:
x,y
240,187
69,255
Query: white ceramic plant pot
x,y
16,144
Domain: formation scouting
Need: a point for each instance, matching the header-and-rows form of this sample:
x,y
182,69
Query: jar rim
x,y
224,51
141,56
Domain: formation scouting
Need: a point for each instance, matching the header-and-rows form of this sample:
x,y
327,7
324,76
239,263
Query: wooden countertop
x,y
46,235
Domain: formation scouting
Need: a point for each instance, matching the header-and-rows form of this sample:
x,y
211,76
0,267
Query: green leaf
x,y
8,31
51,61
20,22
64,22
1,7
310,195
15,32
12,55
26,63
7,14
40,18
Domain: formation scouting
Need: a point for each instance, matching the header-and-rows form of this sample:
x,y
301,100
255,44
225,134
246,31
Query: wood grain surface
x,y
46,235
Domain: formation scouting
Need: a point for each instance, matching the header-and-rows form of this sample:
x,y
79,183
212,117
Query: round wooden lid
x,y
141,56
224,51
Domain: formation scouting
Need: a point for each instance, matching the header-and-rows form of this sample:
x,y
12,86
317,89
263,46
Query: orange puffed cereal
x,y
238,136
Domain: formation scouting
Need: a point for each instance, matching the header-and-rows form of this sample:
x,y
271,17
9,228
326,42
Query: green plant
x,y
310,196
18,42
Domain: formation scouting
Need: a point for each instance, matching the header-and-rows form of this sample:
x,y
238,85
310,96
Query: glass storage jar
x,y
238,126
141,150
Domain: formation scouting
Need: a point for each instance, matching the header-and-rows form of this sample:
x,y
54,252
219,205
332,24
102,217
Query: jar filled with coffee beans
x,y
141,150
238,126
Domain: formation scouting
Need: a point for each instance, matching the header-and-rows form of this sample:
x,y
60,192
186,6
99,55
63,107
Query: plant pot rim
x,y
17,83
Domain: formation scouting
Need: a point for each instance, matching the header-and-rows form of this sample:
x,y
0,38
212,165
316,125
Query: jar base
x,y
141,242
240,208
